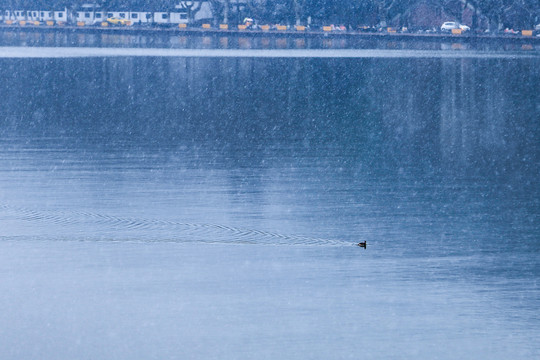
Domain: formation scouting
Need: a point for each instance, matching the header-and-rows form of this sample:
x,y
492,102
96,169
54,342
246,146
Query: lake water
x,y
209,207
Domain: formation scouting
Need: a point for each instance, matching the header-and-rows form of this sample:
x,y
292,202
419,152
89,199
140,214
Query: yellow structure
x,y
182,26
242,27
206,26
526,32
50,23
300,28
282,27
327,28
265,27
456,31
224,26
80,23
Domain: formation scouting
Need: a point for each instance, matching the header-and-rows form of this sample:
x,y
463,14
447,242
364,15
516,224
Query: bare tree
x,y
299,8
221,10
216,7
193,7
384,7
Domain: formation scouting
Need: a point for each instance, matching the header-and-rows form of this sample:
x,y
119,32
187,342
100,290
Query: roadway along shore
x,y
124,30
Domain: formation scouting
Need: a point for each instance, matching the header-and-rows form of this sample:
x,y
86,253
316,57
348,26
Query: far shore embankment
x,y
289,33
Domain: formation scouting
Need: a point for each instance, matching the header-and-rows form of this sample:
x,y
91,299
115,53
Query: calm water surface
x,y
208,208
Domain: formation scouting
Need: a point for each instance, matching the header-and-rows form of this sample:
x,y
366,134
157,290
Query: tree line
x,y
352,13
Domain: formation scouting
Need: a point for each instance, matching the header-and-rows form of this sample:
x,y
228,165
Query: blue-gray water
x,y
207,208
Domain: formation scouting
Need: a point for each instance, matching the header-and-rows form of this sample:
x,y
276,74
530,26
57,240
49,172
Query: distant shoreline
x,y
86,52
432,37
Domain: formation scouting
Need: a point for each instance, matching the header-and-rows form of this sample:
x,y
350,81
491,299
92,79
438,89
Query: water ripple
x,y
150,229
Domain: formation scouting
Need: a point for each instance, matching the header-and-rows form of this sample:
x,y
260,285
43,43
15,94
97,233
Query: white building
x,y
141,17
90,17
46,15
60,16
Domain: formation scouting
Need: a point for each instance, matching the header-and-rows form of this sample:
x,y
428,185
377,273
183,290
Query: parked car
x,y
511,31
449,25
118,21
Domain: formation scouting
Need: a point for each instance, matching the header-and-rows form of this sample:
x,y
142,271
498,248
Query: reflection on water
x,y
343,141
224,41
433,161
